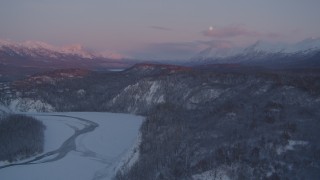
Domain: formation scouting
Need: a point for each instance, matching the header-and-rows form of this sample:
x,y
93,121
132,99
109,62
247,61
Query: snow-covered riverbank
x,y
81,145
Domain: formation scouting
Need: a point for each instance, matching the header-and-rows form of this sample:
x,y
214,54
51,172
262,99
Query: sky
x,y
154,29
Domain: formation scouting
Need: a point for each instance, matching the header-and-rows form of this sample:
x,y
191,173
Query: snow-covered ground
x,y
79,146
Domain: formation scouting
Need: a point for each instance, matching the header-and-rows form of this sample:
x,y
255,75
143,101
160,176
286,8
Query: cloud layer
x,y
235,31
160,28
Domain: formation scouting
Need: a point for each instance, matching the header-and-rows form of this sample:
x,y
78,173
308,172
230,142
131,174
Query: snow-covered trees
x,y
20,137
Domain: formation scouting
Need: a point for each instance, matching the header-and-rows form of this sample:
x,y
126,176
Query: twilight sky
x,y
159,29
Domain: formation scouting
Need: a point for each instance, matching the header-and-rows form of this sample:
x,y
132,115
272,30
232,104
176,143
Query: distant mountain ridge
x,y
40,49
304,53
20,59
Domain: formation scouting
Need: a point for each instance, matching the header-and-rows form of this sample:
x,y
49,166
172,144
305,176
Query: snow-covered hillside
x,y
79,146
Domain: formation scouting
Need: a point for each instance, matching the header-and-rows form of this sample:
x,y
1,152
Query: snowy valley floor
x,y
79,145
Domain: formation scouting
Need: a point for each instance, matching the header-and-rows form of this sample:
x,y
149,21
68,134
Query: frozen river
x,y
80,145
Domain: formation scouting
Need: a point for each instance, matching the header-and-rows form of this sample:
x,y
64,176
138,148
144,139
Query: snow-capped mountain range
x,y
37,49
20,59
262,52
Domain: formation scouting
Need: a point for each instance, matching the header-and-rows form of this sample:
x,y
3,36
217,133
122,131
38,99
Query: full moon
x,y
210,28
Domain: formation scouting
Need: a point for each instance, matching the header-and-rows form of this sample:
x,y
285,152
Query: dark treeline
x,y
251,140
21,137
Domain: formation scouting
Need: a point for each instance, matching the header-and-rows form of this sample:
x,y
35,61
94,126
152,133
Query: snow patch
x,y
151,93
206,94
218,174
161,99
141,94
81,92
262,89
290,146
4,109
125,90
29,105
131,156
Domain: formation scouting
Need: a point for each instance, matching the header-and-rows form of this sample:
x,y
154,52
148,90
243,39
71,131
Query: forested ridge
x,y
243,123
